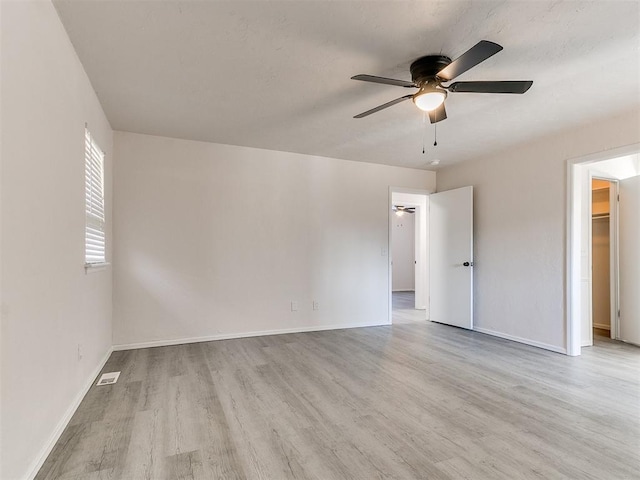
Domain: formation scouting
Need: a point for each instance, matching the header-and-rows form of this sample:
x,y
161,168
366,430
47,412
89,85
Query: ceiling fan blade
x,y
383,80
469,59
438,114
383,106
491,87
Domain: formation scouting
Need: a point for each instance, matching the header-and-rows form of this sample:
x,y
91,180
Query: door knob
x,y
468,264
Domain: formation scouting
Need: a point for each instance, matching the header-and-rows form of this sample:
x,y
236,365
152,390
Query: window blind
x,y
94,233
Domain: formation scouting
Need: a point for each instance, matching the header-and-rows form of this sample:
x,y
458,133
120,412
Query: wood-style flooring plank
x,y
417,400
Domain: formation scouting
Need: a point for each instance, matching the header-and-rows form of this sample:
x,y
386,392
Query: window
x,y
94,232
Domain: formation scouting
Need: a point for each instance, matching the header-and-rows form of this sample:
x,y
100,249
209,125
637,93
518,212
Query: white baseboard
x,y
526,341
602,326
64,421
230,336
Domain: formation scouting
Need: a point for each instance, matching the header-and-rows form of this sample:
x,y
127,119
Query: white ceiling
x,y
276,74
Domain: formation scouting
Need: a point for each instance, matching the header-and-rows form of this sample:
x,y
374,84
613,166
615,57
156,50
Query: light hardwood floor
x,y
409,401
404,309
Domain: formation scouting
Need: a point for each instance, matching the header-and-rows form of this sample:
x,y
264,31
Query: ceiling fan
x,y
401,210
429,72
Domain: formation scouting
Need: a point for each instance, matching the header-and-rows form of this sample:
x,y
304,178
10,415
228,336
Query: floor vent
x,y
108,378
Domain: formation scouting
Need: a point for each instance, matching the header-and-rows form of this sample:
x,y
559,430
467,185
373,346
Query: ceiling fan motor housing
x,y
424,70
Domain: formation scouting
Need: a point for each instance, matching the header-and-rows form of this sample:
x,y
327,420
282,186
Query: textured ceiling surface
x,y
276,74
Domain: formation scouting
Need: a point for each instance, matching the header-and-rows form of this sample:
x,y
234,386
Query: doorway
x,y
443,254
403,264
604,264
598,232
408,262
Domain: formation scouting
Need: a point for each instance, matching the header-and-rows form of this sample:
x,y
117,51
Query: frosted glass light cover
x,y
429,101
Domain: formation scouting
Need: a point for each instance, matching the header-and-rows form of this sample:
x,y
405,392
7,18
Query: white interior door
x,y
451,257
629,260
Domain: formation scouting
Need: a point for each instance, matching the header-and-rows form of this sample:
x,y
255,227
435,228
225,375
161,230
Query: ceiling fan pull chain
x,y
424,129
435,134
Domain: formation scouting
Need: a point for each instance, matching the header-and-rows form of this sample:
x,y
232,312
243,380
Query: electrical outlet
x,y
294,306
316,305
79,351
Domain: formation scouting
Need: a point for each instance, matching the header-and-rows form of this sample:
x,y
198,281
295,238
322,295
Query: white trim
x,y
231,336
389,259
589,274
64,421
572,266
614,258
95,267
609,154
414,191
533,343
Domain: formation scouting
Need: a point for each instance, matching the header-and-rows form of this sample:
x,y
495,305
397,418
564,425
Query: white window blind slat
x,y
94,238
95,241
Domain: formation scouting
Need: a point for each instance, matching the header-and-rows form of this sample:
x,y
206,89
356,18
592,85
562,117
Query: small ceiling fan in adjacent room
x,y
430,72
400,210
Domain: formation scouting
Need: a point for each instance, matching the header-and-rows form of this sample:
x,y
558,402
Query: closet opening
x,y
603,259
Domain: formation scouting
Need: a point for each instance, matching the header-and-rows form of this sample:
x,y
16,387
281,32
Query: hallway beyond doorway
x,y
403,305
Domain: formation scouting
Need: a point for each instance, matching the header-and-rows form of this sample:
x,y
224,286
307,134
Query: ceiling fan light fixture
x,y
428,99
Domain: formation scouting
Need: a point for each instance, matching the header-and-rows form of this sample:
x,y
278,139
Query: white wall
x,y
403,255
216,240
520,228
49,305
629,232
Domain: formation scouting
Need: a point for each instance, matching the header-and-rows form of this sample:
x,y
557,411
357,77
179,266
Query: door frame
x,y
614,258
411,191
576,215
